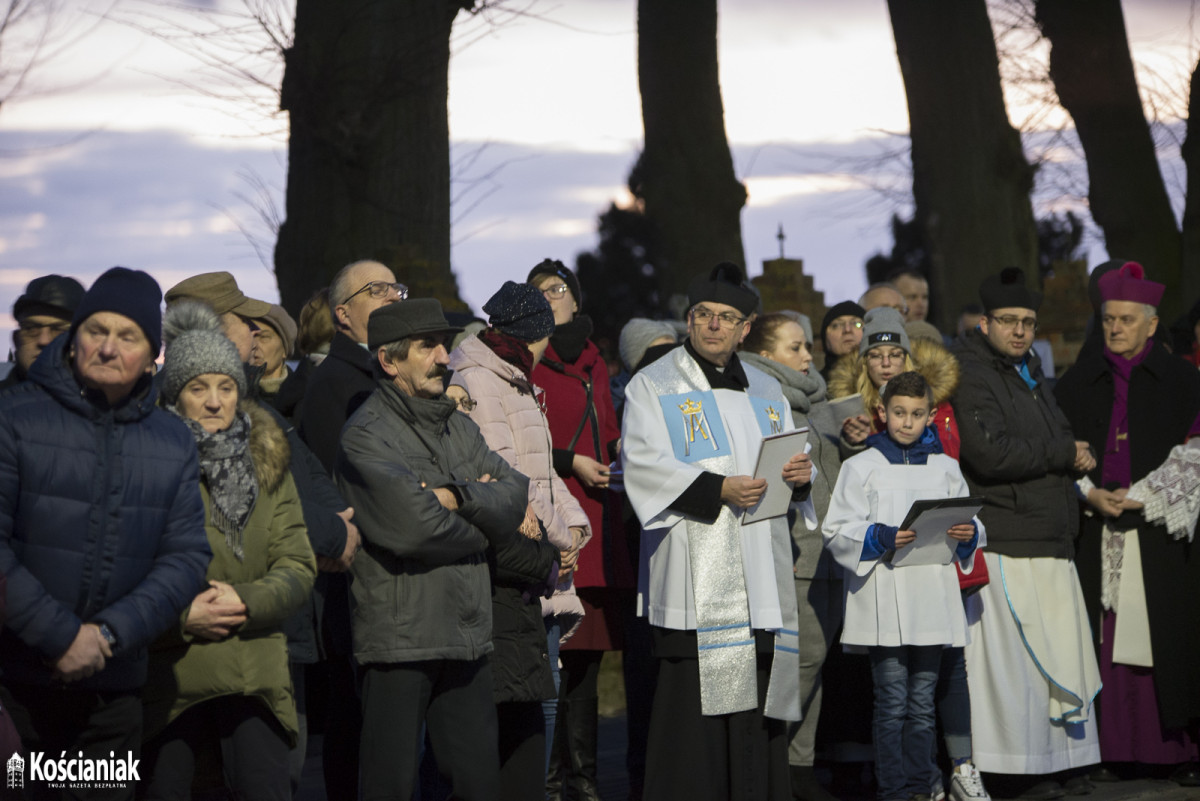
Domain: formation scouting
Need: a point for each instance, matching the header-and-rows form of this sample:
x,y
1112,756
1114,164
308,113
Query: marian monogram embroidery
x,y
695,423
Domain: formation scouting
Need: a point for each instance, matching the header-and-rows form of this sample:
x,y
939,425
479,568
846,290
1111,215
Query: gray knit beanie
x,y
883,326
196,345
636,337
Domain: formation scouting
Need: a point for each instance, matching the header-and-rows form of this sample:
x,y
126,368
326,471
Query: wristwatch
x,y
108,635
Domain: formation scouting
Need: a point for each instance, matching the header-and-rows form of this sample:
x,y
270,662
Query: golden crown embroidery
x,y
695,422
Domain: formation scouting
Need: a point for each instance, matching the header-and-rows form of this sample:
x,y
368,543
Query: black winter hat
x,y
847,308
49,294
132,293
559,270
1006,289
521,311
726,283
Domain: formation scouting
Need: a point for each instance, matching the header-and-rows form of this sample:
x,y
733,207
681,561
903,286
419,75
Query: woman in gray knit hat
x,y
220,683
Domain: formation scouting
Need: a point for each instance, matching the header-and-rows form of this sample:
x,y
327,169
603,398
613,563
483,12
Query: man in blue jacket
x,y
101,535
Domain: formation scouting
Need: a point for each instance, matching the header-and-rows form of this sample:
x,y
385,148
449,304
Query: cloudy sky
x,y
110,155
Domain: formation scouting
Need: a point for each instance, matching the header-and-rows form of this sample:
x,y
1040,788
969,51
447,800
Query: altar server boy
x,y
903,615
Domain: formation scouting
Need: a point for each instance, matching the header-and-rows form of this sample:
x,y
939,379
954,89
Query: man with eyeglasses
x,y
718,592
1031,667
337,387
344,379
42,313
841,331
1137,404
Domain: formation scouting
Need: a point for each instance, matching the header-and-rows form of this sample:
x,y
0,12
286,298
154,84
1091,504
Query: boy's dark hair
x,y
908,385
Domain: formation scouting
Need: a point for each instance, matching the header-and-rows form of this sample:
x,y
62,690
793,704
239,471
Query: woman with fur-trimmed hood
x,y
219,684
886,352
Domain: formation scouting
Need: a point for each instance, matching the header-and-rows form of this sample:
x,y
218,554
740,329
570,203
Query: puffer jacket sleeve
x,y
291,566
34,615
179,567
991,445
496,507
394,512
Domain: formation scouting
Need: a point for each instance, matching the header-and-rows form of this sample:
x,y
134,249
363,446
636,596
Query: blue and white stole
x,y
724,636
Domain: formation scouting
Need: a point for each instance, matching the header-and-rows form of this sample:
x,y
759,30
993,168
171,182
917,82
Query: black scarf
x,y
569,339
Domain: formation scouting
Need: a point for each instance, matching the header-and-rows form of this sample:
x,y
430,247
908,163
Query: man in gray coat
x,y
430,499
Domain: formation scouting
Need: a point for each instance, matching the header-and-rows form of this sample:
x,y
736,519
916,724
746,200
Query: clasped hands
x,y
216,612
1111,503
746,491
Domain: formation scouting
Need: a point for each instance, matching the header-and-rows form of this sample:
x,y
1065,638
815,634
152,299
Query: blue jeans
x,y
954,704
903,727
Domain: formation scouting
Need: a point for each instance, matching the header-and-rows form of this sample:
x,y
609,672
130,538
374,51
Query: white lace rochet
x,y
1170,497
1170,494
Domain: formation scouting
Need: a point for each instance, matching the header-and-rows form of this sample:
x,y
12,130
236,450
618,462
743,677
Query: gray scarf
x,y
801,390
228,470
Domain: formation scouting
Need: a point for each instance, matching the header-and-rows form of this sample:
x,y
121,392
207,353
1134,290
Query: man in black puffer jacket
x,y
1030,665
101,528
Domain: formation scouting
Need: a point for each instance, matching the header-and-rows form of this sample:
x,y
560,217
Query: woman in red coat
x,y
586,436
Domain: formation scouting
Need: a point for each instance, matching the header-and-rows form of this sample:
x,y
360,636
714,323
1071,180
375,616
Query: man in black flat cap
x,y
42,313
432,500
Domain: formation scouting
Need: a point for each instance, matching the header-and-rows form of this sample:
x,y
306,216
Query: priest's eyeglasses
x,y
1012,321
703,316
381,289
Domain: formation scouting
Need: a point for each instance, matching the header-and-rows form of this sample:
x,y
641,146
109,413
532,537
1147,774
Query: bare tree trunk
x,y
1190,274
971,181
1093,75
685,175
365,86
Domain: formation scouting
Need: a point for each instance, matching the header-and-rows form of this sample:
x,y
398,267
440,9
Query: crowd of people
x,y
420,532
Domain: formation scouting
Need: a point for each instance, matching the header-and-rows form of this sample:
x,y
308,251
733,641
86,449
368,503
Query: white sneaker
x,y
966,784
939,792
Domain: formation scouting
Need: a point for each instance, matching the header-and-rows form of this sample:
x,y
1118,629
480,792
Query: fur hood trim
x,y
938,366
934,362
269,448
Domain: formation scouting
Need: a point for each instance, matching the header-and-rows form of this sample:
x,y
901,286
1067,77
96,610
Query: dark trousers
x,y
522,727
236,733
453,698
58,718
696,757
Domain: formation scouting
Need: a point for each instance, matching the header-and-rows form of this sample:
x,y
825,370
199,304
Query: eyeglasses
x,y
846,325
1012,321
30,330
878,355
704,316
381,289
552,292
